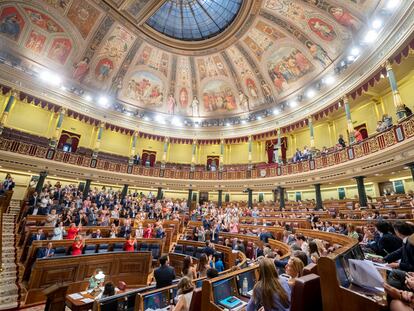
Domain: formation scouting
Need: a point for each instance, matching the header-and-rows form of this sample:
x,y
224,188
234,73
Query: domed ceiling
x,y
193,58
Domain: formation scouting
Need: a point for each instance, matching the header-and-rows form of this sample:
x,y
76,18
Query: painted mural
x,y
60,50
154,58
35,42
60,5
43,21
81,70
84,16
245,73
310,19
218,96
145,88
109,57
211,67
183,89
261,37
287,65
11,23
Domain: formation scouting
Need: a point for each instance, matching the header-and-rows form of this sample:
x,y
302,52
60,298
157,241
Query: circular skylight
x,y
194,20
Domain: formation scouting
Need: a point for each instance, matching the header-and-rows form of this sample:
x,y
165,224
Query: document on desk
x,y
75,296
363,273
87,300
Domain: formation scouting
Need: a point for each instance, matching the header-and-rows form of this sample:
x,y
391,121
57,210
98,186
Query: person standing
x,y
165,274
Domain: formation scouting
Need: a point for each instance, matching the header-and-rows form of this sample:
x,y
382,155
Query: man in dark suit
x,y
34,199
406,252
46,252
39,236
208,249
265,236
125,230
165,274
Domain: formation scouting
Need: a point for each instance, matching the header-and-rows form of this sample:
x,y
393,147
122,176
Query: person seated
x,y
270,291
294,269
97,234
387,120
188,268
212,273
109,290
381,126
164,274
209,249
39,236
352,232
297,156
306,155
385,241
96,280
324,151
46,252
314,252
401,300
240,247
203,266
185,294
77,246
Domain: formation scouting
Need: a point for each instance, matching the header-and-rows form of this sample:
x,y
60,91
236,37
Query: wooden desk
x,y
78,304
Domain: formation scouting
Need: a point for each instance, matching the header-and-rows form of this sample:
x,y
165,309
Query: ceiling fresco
x,y
99,45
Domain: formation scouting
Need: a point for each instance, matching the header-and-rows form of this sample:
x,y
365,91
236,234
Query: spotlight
x,y
370,36
88,98
159,119
276,111
176,121
259,117
293,104
243,121
377,23
50,78
103,101
146,118
392,4
350,58
355,51
310,93
227,124
329,80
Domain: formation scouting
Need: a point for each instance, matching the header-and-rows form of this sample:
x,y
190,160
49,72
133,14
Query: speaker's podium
x,y
56,296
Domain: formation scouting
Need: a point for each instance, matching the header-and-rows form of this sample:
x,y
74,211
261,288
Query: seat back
x,y
195,300
155,250
118,247
89,249
306,292
310,268
60,251
178,249
103,248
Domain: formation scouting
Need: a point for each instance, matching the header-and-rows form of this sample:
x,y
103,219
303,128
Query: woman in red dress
x,y
72,231
77,246
129,245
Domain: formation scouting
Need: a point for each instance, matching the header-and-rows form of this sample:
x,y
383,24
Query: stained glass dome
x,y
194,20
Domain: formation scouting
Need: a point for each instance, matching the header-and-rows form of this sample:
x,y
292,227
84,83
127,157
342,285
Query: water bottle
x,y
245,287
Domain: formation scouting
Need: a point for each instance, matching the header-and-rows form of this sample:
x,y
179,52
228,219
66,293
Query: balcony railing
x,y
394,135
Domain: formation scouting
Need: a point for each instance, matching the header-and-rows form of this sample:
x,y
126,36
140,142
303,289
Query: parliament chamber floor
x,y
206,155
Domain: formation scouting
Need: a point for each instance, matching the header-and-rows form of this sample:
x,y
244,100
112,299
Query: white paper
x,y
75,296
87,300
379,265
364,274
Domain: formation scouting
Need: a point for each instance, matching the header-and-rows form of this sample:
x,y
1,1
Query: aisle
x,y
9,291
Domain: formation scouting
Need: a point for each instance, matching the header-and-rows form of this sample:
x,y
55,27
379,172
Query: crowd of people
x,y
67,207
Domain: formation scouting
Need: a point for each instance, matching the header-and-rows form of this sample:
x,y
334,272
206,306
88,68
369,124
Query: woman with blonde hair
x,y
185,294
270,292
294,268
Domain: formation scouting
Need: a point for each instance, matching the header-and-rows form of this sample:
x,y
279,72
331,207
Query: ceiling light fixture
x,y
355,51
392,4
160,119
293,103
276,111
88,98
370,36
50,78
259,117
103,101
377,23
329,80
310,93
